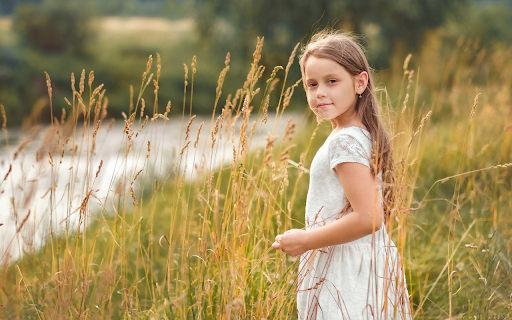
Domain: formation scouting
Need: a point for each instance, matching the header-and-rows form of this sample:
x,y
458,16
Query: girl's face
x,y
331,91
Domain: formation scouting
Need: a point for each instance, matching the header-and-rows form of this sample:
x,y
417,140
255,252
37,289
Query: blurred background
x,y
115,37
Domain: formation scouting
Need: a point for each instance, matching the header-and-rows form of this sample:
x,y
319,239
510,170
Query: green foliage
x,y
53,26
284,23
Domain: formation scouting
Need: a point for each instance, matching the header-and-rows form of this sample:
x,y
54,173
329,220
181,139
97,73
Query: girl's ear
x,y
361,82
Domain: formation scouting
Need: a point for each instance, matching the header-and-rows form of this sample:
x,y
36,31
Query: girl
x,y
349,268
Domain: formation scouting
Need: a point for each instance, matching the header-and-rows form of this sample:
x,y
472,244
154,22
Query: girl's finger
x,y
278,237
276,245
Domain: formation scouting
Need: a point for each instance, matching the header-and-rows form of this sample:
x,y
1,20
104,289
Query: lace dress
x,y
361,279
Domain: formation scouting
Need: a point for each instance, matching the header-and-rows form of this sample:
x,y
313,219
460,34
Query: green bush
x,y
53,27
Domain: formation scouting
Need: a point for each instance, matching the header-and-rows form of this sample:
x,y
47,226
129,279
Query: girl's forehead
x,y
319,66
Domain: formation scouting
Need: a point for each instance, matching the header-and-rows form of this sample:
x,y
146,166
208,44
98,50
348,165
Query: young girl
x,y
349,268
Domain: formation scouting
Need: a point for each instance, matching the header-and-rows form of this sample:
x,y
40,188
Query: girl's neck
x,y
345,122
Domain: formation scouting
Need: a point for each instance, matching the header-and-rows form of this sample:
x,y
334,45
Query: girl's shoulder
x,y
351,144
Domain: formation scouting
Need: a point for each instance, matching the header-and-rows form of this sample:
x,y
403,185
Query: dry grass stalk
x,y
157,87
99,168
82,82
8,172
149,80
268,149
142,126
289,130
20,148
104,109
274,73
149,64
135,178
193,64
410,80
265,109
422,122
215,130
91,79
473,109
222,76
404,105
406,63
131,100
135,202
289,93
48,85
111,124
73,84
62,117
158,66
143,102
167,109
242,144
198,133
186,74
254,66
4,118
184,148
97,91
187,131
291,58
51,158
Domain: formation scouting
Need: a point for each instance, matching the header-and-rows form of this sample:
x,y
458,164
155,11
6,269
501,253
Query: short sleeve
x,y
346,148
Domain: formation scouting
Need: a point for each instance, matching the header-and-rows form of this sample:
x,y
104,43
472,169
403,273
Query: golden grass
x,y
162,245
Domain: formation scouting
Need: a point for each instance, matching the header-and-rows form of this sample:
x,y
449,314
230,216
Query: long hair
x,y
342,49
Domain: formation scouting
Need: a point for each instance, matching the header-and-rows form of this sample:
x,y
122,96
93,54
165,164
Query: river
x,y
30,209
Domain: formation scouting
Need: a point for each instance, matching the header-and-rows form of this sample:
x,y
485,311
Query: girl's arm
x,y
366,217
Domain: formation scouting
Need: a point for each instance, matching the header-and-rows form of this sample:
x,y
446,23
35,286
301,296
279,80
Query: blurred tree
x,y
402,23
9,6
53,26
490,23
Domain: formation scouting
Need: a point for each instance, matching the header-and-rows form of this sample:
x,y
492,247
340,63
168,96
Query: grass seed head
x,y
404,105
290,60
473,109
198,133
23,222
99,168
187,132
143,102
8,172
82,82
49,84
406,63
91,79
150,62
158,66
73,83
4,118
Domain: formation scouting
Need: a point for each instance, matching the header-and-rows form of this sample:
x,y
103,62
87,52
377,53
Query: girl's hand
x,y
292,242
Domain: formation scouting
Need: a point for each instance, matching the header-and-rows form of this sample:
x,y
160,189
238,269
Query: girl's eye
x,y
312,84
332,81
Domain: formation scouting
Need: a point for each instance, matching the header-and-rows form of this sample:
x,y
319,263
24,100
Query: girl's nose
x,y
320,93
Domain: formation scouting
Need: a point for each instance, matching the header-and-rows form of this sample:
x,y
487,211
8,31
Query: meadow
x,y
165,245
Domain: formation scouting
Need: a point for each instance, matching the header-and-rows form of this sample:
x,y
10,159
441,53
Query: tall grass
x,y
194,243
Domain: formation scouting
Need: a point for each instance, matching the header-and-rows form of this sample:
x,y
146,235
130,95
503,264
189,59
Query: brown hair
x,y
342,49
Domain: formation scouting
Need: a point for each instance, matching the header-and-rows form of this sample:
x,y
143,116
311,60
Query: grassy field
x,y
171,247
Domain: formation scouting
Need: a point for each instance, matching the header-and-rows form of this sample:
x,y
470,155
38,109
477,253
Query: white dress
x,y
361,279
